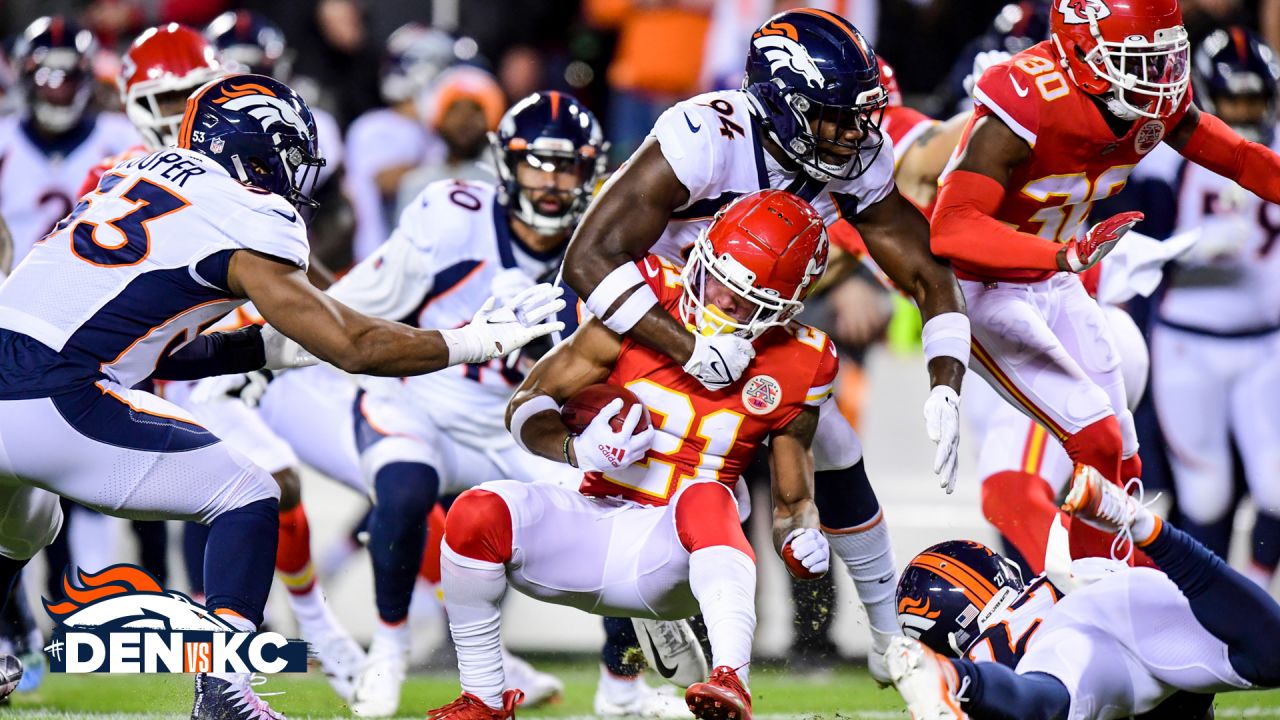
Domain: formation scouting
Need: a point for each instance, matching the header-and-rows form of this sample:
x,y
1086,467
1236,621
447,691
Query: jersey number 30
x,y
125,240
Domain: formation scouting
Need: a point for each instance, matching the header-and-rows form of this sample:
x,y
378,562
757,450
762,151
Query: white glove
x,y
495,331
719,360
509,283
600,448
942,422
246,387
810,547
281,352
981,62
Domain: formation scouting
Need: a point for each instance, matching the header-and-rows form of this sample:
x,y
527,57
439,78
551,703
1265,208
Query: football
x,y
797,570
583,407
10,674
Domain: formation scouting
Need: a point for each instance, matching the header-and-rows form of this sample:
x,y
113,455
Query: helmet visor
x,y
1150,78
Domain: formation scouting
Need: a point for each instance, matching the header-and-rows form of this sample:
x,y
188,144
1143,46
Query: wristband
x,y
564,449
631,310
947,335
621,279
535,405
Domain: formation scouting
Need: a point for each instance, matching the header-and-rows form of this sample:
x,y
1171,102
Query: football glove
x,y
246,387
719,360
1080,255
981,62
281,352
495,331
810,548
942,422
600,448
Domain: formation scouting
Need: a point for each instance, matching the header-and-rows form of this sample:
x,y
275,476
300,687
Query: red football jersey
x,y
712,434
1076,160
904,125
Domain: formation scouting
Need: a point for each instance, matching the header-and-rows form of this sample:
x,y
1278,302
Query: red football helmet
x,y
1135,50
158,72
889,79
753,266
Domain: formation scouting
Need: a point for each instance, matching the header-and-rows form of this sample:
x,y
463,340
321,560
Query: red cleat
x,y
470,707
723,697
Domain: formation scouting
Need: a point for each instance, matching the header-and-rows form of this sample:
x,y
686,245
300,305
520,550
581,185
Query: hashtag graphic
x,y
55,649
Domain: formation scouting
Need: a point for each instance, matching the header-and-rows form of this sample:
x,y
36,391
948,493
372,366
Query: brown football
x,y
582,408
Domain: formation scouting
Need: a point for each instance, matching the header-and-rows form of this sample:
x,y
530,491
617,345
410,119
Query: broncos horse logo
x,y
783,51
128,597
262,105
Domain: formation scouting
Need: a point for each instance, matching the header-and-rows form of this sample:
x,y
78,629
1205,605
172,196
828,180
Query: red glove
x,y
1080,255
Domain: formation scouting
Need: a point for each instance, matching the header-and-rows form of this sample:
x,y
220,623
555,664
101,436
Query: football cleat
x,y
641,701
672,650
377,689
340,657
537,688
219,699
470,707
10,674
34,670
1104,505
924,679
723,697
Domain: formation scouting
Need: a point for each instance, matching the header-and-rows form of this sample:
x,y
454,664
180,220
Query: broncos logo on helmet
x,y
263,105
783,52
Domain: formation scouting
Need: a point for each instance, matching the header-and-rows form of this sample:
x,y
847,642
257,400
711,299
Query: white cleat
x,y
641,702
877,664
539,688
924,680
341,658
377,689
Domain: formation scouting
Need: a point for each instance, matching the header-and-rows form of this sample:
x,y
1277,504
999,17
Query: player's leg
x,y
853,522
29,520
1191,387
1255,423
311,409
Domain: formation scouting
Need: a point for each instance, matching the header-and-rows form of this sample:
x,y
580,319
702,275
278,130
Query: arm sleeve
x,y
963,228
1216,147
217,353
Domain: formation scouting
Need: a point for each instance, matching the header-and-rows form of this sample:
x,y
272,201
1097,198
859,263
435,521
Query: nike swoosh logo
x,y
291,217
692,127
663,670
1022,92
885,579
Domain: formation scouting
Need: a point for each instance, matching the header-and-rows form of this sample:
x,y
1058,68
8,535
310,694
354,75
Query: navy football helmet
x,y
54,59
811,73
1232,66
552,132
248,42
946,589
415,55
257,128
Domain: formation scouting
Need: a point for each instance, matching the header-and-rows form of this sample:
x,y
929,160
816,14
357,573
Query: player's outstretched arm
x,y
1207,141
365,345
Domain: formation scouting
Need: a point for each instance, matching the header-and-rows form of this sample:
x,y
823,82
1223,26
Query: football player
x,y
50,146
99,307
653,531
1217,325
1102,641
1057,128
805,121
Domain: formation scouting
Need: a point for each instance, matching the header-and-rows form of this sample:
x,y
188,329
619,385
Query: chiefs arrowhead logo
x,y
1077,12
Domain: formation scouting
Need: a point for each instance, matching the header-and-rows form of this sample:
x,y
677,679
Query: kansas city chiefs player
x,y
1056,128
654,529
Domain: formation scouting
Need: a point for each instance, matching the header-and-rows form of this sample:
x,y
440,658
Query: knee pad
x,y
1099,445
478,526
706,515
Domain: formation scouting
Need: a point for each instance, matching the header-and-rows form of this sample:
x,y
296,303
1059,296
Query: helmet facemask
x,y
553,157
58,88
807,147
1148,78
155,107
705,270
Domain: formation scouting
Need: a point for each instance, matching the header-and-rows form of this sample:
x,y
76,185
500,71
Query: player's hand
x,y
810,548
600,448
508,284
282,352
719,360
248,388
1080,255
942,422
495,331
981,62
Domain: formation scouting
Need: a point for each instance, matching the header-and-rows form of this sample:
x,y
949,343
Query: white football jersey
x,y
435,271
139,268
377,140
40,180
1238,291
713,145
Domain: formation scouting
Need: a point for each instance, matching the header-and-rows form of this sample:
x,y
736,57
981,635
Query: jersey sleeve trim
x,y
1005,117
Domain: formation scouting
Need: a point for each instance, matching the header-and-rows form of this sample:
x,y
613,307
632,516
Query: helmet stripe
x,y
189,117
974,586
555,103
965,569
842,24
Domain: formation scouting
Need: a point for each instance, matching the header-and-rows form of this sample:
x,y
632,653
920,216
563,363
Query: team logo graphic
x,y
761,395
262,105
781,49
1148,136
1081,12
122,620
916,616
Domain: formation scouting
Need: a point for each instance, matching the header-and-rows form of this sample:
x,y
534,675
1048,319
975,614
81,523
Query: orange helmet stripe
x,y
189,118
555,103
840,23
976,588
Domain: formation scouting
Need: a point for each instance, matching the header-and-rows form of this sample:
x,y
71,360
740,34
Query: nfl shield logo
x,y
216,146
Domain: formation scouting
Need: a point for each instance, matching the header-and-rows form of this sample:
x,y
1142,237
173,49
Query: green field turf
x,y
847,694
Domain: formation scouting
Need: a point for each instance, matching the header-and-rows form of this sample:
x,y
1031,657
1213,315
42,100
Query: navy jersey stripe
x,y
102,416
443,282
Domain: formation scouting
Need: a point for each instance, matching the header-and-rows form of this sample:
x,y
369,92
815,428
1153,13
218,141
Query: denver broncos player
x,y
654,529
119,293
1102,641
46,149
805,121
1057,128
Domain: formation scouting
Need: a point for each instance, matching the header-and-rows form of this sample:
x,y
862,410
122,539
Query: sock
x,y
237,568
619,639
10,569
397,533
1266,548
618,689
1021,506
723,579
1219,598
990,691
153,547
241,624
473,591
393,637
195,537
293,555
868,556
430,568
1100,446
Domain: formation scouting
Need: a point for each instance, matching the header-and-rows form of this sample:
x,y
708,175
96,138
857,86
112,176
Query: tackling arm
x,y
1207,141
791,465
